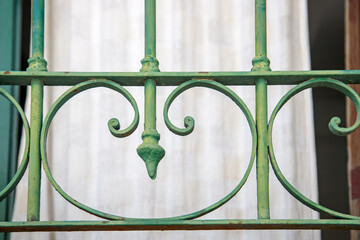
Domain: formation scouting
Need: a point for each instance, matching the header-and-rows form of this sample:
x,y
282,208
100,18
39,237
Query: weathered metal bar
x,y
38,29
145,225
262,162
149,62
36,63
150,28
33,207
150,104
260,28
150,151
177,78
261,63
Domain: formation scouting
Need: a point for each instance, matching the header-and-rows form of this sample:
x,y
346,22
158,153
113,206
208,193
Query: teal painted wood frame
x,y
150,151
10,36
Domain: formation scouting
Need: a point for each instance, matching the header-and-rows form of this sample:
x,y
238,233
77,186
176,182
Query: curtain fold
x,y
202,35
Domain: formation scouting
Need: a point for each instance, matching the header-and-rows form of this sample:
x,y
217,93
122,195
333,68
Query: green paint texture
x,y
150,151
261,63
36,63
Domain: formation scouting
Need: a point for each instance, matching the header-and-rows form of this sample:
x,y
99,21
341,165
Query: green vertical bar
x,y
150,104
261,63
260,27
262,162
38,28
33,210
150,51
150,28
36,63
150,151
149,62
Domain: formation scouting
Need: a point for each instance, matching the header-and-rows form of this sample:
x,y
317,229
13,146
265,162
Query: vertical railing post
x,y
36,63
150,35
261,63
150,151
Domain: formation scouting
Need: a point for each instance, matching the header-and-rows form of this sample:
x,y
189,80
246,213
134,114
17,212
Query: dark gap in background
x,y
326,25
25,52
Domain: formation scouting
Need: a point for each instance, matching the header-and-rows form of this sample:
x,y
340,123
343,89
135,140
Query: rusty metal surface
x,y
147,225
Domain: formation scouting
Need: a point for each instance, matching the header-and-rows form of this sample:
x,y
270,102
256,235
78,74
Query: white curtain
x,y
192,35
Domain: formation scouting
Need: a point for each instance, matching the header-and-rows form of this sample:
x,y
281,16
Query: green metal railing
x,y
150,151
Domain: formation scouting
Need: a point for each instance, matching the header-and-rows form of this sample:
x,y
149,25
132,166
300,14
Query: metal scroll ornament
x,y
114,128
333,126
25,159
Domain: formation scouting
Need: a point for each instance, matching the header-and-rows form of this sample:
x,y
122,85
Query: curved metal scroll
x,y
104,83
189,123
113,125
333,126
25,159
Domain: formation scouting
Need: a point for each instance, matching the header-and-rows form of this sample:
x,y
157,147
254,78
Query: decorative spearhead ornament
x,y
150,151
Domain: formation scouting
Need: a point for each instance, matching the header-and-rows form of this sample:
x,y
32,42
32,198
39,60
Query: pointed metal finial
x,y
150,151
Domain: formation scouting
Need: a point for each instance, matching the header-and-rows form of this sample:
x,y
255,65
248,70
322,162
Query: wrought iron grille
x,y
150,151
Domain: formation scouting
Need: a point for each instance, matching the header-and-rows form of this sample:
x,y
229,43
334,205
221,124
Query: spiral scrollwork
x,y
25,159
113,124
189,123
96,83
333,126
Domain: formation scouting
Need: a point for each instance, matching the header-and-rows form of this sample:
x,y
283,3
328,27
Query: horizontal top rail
x,y
177,78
